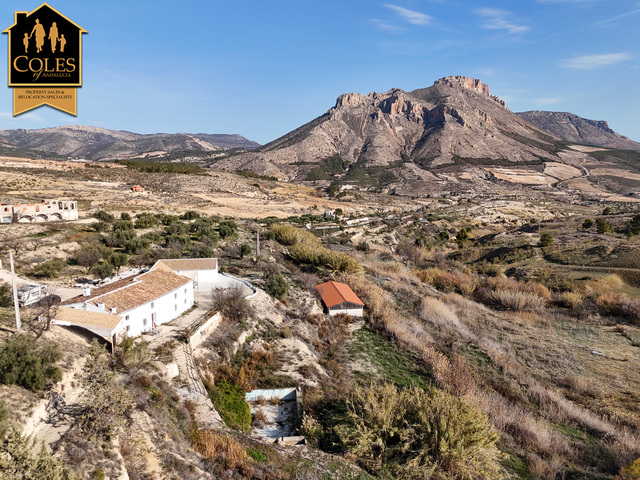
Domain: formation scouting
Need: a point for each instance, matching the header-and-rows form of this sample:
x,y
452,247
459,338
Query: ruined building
x,y
46,211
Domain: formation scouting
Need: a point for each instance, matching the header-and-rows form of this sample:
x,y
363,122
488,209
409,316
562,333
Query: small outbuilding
x,y
339,298
203,271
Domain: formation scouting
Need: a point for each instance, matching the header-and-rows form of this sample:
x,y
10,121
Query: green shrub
x,y
104,216
228,399
245,249
276,286
49,269
416,433
363,246
123,225
29,363
546,239
227,228
5,295
290,235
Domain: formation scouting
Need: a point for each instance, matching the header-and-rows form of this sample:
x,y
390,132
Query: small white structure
x,y
130,306
29,294
339,298
203,271
45,211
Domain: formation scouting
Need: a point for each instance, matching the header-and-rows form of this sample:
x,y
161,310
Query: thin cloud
x,y
411,16
611,20
30,117
497,19
593,62
386,26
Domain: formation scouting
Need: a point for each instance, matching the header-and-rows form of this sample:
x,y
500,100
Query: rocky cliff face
x,y
454,119
96,143
579,130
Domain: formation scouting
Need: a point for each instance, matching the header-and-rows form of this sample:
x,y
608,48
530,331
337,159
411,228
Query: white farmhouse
x,y
130,306
203,271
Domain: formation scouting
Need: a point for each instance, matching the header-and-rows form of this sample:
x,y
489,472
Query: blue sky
x,y
262,68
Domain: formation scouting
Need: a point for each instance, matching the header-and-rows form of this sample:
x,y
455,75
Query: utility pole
x,y
15,293
258,241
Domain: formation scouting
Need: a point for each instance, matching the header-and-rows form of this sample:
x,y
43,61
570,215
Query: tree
x,y
546,239
87,257
118,260
103,270
104,216
634,225
125,216
416,433
44,312
190,215
587,224
18,459
146,220
606,211
231,303
105,402
29,363
602,226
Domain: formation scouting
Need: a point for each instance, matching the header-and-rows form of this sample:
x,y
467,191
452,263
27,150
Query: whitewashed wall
x,y
166,308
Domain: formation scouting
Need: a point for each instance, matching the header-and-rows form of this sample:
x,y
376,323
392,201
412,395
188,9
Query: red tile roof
x,y
335,293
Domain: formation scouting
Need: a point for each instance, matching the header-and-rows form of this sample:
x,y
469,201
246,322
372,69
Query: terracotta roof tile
x,y
133,291
335,293
189,263
81,317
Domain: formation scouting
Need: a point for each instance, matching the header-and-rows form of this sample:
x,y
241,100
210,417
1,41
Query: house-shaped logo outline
x,y
10,59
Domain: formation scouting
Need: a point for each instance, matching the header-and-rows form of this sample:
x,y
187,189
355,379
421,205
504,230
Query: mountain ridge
x,y
97,143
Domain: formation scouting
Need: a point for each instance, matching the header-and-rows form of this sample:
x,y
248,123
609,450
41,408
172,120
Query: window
x,y
144,322
176,307
185,290
127,328
175,295
126,318
151,304
185,301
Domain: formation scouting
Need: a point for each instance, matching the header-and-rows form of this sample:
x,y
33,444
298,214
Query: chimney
x,y
86,290
101,306
113,310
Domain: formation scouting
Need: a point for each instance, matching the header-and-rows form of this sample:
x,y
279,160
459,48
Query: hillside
x,y
573,128
454,120
94,143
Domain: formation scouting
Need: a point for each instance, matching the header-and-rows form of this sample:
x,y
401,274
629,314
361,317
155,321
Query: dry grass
x,y
216,446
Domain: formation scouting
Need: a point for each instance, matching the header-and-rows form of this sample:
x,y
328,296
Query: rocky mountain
x,y
453,120
96,143
579,130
